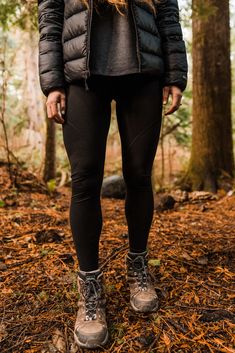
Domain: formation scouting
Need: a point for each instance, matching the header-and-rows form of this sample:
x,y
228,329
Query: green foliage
x,y
21,13
154,262
183,134
185,13
51,185
44,252
43,296
8,10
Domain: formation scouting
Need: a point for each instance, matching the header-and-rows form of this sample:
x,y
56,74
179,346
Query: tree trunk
x,y
212,145
50,152
32,94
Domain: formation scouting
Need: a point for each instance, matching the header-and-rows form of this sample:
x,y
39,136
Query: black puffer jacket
x,y
64,43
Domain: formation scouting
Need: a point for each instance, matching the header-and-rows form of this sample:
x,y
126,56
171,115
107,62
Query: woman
x,y
91,52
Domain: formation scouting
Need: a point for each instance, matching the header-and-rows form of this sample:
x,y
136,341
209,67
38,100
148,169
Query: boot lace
x,y
91,293
140,271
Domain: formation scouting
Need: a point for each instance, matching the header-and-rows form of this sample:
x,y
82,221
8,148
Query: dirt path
x,y
194,249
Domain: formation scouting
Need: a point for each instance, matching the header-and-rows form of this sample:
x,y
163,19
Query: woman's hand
x,y
56,102
176,94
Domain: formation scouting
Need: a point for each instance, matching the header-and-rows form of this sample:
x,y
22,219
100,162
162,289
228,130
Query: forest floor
x,y
193,248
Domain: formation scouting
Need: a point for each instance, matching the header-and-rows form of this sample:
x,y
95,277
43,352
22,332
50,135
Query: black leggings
x,y
87,119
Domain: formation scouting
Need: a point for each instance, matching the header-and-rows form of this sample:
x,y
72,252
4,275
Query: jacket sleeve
x,y
50,60
173,45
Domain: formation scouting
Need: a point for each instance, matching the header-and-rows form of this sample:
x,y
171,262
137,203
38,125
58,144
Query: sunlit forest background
x,y
191,241
26,138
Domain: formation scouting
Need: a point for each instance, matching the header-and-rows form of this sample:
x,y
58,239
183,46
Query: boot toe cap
x,y
144,302
91,334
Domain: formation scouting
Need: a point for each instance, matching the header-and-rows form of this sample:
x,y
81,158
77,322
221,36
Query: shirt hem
x,y
116,73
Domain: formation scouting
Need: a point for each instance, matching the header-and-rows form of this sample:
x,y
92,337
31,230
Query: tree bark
x,y
50,151
212,145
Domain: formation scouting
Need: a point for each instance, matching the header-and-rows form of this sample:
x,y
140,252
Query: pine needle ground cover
x,y
192,257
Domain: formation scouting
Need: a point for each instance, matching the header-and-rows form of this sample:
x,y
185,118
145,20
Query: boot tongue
x,y
138,260
91,284
138,263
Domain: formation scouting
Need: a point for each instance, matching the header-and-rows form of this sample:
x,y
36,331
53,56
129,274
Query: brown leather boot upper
x,y
143,296
90,327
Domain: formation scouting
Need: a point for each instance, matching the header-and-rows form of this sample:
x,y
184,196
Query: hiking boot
x,y
143,297
90,327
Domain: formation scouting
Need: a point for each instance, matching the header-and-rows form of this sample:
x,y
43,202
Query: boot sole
x,y
144,311
91,345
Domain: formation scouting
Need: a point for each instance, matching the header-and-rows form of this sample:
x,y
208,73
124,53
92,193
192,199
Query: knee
x,y
86,185
137,179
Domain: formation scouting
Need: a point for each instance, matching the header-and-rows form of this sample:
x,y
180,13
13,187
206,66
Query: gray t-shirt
x,y
113,48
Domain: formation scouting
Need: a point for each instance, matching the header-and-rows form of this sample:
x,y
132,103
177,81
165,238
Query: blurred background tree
x,y
212,142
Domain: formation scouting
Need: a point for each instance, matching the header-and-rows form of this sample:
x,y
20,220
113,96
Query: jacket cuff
x,y
178,79
48,88
53,88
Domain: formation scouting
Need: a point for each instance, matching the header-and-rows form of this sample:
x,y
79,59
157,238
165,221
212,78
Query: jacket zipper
x,y
136,33
88,44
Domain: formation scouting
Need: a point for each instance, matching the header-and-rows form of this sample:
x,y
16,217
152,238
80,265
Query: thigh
x,y
139,115
87,121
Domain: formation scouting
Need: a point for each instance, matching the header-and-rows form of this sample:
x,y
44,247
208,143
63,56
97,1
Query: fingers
x,y
56,106
62,104
166,92
52,112
176,100
55,109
